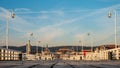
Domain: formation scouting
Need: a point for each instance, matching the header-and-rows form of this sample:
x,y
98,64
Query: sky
x,y
59,22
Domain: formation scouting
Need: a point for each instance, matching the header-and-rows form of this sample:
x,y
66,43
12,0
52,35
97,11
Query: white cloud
x,y
51,31
19,24
51,27
58,12
51,35
79,36
108,0
43,17
3,14
21,9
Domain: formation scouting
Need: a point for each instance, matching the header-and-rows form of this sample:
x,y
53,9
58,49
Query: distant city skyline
x,y
64,22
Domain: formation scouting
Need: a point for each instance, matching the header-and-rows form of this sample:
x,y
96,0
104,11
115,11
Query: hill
x,y
52,49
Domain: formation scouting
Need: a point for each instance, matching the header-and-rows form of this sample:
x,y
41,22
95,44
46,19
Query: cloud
x,y
22,25
79,36
53,30
49,33
15,23
58,12
43,17
21,9
3,13
108,0
51,27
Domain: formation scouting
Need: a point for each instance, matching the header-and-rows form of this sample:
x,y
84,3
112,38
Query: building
x,y
64,53
7,54
26,56
92,56
109,52
46,54
75,56
86,54
68,54
104,52
28,47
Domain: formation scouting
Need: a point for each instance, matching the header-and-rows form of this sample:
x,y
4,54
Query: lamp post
x,y
115,26
91,42
37,47
82,47
7,18
81,44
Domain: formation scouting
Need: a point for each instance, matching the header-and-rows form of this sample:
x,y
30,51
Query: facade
x,y
110,54
86,54
76,56
104,52
92,56
68,54
7,54
26,56
46,55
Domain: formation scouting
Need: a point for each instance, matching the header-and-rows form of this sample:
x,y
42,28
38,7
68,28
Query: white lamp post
x,y
81,41
37,47
7,16
91,42
115,26
81,45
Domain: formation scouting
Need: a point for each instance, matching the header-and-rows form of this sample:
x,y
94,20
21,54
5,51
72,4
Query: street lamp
x,y
37,47
81,44
7,16
115,26
13,15
91,42
81,41
30,35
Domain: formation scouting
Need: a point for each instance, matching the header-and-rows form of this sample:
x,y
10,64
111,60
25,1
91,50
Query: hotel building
x,y
104,52
7,54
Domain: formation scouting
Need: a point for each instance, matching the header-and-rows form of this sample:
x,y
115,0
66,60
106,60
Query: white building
x,y
28,47
68,54
76,56
46,55
105,52
7,54
92,56
26,56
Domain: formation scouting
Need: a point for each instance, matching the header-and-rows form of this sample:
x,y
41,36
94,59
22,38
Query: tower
x,y
28,47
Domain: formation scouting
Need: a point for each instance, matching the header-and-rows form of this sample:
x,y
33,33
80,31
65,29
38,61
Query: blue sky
x,y
59,22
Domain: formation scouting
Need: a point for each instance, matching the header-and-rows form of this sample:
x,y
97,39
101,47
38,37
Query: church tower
x,y
28,47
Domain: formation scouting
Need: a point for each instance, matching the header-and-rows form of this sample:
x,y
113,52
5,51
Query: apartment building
x,y
104,52
7,54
